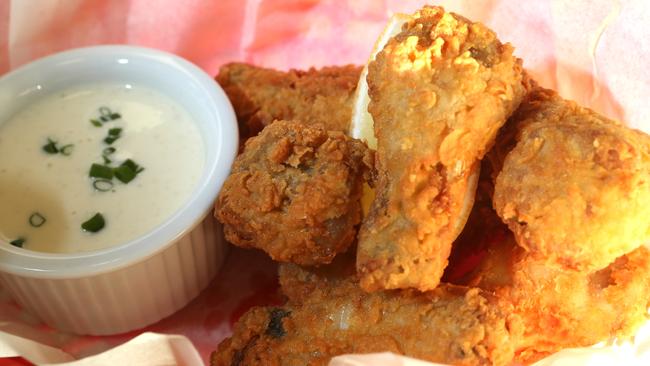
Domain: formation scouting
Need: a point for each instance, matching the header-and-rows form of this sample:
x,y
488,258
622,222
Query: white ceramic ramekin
x,y
137,283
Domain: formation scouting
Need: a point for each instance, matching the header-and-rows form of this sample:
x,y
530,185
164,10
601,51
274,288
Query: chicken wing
x,y
575,189
261,95
295,193
439,92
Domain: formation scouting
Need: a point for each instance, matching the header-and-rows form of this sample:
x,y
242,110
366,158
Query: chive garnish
x,y
100,171
127,171
115,131
105,115
103,185
133,165
37,220
50,147
107,151
113,134
67,149
103,174
111,139
18,242
94,224
124,174
105,111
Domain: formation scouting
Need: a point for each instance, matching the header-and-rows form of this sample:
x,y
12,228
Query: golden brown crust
x,y
517,305
261,95
559,309
338,277
295,193
439,92
450,325
575,189
520,309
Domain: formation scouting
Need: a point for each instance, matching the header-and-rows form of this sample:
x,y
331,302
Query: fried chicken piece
x,y
261,95
561,309
575,189
449,324
553,308
440,90
295,193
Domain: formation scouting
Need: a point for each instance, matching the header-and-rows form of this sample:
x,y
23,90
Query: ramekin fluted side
x,y
130,297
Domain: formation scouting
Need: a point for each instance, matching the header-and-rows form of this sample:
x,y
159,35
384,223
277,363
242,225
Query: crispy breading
x,y
542,309
575,189
340,276
328,314
552,308
261,95
450,324
559,309
295,193
439,92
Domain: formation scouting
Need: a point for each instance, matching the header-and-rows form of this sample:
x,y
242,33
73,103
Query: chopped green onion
x,y
94,224
113,134
133,165
37,220
18,242
103,185
115,131
127,171
111,139
100,171
105,111
124,174
50,147
105,115
67,149
107,151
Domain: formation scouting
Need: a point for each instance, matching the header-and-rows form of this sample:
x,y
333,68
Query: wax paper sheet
x,y
592,52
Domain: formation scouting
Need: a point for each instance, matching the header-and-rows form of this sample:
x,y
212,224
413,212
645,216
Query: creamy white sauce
x,y
157,133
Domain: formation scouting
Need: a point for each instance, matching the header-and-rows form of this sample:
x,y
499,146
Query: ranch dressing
x,y
156,133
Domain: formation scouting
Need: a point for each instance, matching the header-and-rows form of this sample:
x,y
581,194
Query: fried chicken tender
x,y
295,193
439,92
449,324
575,189
261,95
